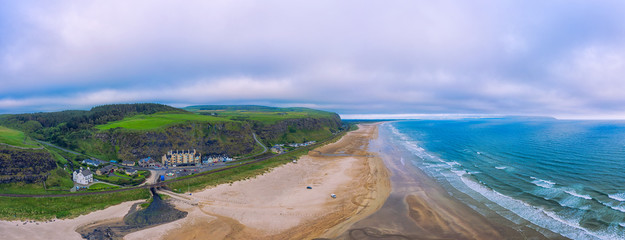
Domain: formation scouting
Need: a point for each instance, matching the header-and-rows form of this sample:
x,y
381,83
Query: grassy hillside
x,y
278,125
266,115
63,207
158,120
134,131
15,138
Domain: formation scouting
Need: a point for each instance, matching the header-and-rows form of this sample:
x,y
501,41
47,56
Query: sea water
x,y
564,176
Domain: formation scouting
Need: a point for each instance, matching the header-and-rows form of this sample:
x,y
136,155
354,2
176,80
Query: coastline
x,y
420,208
377,197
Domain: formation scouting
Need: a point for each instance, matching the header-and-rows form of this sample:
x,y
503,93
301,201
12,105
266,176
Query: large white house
x,y
83,177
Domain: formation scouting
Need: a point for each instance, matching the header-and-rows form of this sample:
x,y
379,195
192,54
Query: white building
x,y
83,177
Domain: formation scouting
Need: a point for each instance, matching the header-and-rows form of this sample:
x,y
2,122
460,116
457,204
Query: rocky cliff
x,y
19,165
232,138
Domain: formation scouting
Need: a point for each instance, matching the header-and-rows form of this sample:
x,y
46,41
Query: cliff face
x,y
299,129
18,165
232,138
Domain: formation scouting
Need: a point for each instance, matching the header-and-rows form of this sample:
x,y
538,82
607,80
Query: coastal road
x,y
161,184
259,143
55,146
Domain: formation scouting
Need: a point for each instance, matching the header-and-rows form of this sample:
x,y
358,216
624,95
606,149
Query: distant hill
x,y
134,131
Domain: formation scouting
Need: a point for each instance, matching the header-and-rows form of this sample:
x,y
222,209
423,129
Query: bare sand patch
x,y
62,229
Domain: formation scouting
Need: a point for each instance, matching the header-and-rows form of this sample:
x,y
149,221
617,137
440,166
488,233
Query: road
x,y
259,143
55,146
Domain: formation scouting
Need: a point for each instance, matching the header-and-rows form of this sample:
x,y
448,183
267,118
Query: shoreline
x,y
378,196
419,207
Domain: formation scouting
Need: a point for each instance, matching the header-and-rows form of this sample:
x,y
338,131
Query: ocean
x,y
554,176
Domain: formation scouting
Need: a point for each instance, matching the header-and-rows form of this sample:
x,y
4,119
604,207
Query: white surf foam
x,y
547,219
574,193
543,183
616,207
541,217
501,167
618,197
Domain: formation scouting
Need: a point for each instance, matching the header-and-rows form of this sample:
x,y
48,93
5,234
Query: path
x,y
25,148
55,146
261,144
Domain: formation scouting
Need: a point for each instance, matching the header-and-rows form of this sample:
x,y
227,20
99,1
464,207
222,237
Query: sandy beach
x,y
62,229
278,205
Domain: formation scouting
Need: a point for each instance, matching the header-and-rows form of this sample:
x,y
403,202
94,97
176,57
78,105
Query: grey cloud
x,y
560,58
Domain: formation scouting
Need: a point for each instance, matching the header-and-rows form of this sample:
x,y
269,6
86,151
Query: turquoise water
x,y
565,176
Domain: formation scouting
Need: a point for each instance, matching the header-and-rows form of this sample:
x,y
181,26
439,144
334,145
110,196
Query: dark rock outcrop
x,y
19,165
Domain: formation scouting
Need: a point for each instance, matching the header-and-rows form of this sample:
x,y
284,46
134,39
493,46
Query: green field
x,y
101,186
262,114
123,179
15,208
16,138
146,122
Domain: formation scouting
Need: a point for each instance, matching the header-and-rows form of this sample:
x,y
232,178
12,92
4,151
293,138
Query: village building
x,y
147,162
189,157
106,170
91,162
128,163
277,149
215,159
82,177
130,171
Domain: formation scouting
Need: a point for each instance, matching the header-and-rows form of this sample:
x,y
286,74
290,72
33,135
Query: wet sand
x,y
158,212
419,208
277,205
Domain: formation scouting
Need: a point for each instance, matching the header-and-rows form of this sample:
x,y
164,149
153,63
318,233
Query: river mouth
x,y
158,212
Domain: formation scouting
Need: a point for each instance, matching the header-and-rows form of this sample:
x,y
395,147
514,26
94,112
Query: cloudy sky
x,y
563,58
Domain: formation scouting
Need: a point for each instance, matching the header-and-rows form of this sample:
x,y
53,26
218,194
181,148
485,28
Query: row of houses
x,y
302,144
216,159
280,148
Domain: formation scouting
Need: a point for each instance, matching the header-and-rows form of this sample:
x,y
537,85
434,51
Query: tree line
x,y
65,126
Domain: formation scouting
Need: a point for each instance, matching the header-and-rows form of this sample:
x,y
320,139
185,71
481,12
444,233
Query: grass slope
x,y
15,138
257,113
12,208
154,121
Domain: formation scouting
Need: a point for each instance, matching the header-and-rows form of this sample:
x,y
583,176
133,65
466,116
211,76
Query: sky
x,y
562,58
